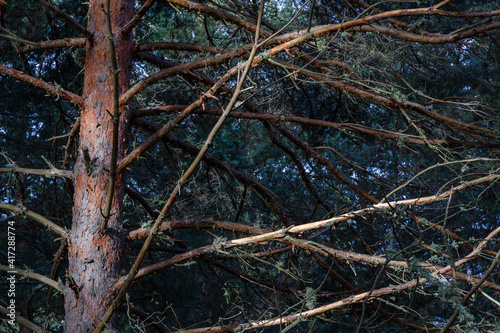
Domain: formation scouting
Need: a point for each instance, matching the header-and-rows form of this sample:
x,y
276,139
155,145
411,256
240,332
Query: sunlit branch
x,y
424,39
197,224
31,275
283,235
37,217
41,172
344,302
178,69
437,166
48,87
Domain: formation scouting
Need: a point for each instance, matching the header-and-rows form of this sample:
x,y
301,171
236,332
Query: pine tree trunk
x,y
94,259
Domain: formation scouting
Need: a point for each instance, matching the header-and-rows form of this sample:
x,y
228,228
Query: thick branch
x,y
189,66
440,39
50,88
373,294
55,44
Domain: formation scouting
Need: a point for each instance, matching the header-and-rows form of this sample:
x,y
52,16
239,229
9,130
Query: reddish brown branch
x,y
439,39
178,47
217,14
182,68
399,137
198,224
49,88
55,44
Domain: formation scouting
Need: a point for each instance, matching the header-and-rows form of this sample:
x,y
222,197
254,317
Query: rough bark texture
x,y
95,258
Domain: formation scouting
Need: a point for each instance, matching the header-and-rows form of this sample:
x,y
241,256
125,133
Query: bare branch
x,y
49,88
37,217
42,172
55,44
177,47
31,275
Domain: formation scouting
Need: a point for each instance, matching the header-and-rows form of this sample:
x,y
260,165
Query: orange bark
x,y
95,258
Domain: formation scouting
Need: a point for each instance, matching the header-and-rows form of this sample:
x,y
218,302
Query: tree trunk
x,y
94,259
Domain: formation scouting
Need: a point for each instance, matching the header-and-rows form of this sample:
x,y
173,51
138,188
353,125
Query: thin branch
x,y
177,47
137,17
48,87
197,224
432,167
262,191
435,39
37,217
472,292
64,16
75,129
